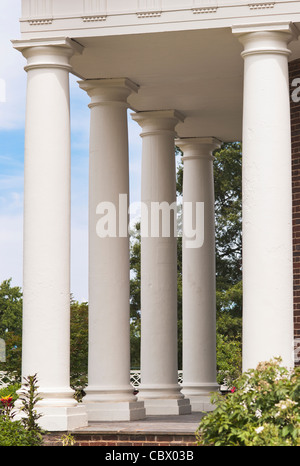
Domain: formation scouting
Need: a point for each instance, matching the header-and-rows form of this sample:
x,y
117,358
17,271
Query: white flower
x,y
284,404
244,405
258,413
258,430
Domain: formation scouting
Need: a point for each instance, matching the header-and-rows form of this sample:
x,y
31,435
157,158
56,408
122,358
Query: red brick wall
x,y
124,439
294,72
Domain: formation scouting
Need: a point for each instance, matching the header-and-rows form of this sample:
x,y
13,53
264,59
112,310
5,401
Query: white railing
x,y
135,378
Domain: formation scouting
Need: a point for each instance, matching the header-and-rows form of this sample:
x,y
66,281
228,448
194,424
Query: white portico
x,y
195,74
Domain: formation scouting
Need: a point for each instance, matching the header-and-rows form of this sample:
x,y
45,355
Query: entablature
x,y
78,18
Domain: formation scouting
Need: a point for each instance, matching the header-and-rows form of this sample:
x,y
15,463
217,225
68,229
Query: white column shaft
x,y
46,301
46,285
198,272
267,200
158,268
159,367
109,270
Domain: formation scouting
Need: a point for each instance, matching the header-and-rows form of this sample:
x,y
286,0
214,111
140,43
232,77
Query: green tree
x,y
228,231
228,212
135,342
79,344
228,218
135,268
10,309
135,296
11,329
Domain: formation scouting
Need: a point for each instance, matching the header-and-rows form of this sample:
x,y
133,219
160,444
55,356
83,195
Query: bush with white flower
x,y
262,409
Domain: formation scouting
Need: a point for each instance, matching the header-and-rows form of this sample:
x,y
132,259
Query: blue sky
x,y
12,120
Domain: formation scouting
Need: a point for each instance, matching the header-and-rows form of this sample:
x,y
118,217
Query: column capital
x,y
153,122
271,38
48,53
198,147
108,90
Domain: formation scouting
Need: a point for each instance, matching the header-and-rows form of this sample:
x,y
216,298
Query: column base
x,y
59,409
200,395
115,410
63,419
165,406
163,399
60,419
112,403
201,403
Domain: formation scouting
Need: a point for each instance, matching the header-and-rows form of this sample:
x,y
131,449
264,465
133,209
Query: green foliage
x,y
263,410
229,300
135,341
135,296
135,267
67,440
10,309
229,359
228,213
229,348
11,328
14,434
29,397
228,227
24,432
79,345
10,390
13,362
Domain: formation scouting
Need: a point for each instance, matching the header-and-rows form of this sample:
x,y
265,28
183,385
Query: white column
x,y
267,196
109,393
46,285
159,388
198,272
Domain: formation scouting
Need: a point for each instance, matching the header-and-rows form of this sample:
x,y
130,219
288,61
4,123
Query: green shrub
x,y
262,410
10,390
24,432
14,434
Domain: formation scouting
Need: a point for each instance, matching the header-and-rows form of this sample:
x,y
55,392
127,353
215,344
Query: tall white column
x,y
109,393
46,285
198,272
267,196
159,387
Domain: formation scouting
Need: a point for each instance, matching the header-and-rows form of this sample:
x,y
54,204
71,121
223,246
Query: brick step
x,y
124,439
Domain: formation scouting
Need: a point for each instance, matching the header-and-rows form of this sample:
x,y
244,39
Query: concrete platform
x,y
153,430
186,423
168,430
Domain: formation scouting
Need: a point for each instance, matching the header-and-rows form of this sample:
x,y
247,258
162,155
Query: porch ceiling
x,y
199,73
